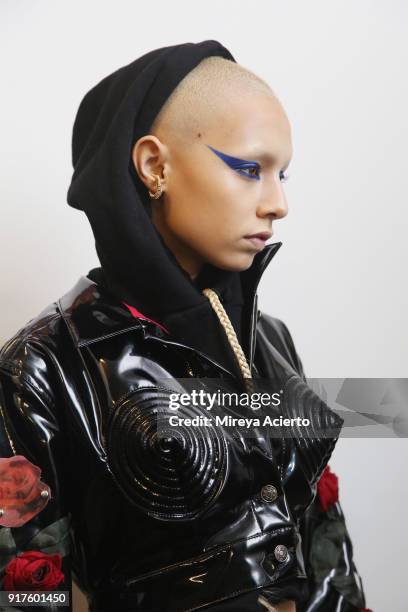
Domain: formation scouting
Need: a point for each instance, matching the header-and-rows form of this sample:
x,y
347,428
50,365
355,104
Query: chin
x,y
235,264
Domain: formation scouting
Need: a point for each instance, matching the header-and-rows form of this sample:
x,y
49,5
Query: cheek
x,y
194,204
208,209
195,218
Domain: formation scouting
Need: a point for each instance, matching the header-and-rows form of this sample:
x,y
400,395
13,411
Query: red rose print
x,y
33,571
328,489
22,494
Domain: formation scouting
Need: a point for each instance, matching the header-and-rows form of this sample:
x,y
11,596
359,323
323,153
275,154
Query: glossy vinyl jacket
x,y
176,523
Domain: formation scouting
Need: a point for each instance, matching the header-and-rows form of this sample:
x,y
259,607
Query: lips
x,y
258,240
261,235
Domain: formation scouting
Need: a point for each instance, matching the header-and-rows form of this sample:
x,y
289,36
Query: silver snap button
x,y
269,493
281,552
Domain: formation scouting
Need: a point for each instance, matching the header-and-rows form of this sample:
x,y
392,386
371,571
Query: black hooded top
x,y
136,265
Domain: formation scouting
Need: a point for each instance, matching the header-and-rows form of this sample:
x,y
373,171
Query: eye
x,y
283,177
250,171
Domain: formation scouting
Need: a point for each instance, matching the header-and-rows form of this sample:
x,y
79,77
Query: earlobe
x,y
159,189
148,157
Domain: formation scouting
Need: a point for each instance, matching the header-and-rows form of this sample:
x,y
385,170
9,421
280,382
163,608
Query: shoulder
x,y
36,354
40,326
52,340
277,332
28,356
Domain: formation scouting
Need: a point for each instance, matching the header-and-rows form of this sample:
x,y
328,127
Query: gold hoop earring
x,y
159,189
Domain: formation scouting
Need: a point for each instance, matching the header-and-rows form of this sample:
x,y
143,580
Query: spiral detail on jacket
x,y
316,441
168,472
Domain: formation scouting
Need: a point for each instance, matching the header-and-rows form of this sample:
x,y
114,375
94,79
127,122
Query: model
x,y
179,163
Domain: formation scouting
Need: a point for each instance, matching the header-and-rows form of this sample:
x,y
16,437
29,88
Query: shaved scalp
x,y
194,106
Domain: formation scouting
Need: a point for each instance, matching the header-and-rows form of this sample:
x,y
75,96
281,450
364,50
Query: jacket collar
x,y
92,313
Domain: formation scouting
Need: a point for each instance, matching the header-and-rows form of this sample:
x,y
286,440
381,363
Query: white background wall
x,y
339,280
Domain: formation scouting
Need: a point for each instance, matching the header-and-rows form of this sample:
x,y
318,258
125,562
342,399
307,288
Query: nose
x,y
274,204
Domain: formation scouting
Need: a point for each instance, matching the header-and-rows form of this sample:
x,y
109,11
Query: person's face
x,y
211,203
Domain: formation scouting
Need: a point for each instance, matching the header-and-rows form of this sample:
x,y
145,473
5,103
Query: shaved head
x,y
203,96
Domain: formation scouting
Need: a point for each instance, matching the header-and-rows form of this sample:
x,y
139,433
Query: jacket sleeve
x,y
334,582
34,520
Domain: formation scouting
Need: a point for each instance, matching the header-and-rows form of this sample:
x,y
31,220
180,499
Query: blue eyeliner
x,y
238,164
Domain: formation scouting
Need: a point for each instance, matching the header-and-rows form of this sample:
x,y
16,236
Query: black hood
x,y
136,265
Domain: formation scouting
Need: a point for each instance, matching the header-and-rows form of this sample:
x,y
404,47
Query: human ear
x,y
149,155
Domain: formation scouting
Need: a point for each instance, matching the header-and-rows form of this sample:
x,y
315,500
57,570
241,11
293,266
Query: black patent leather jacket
x,y
79,397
